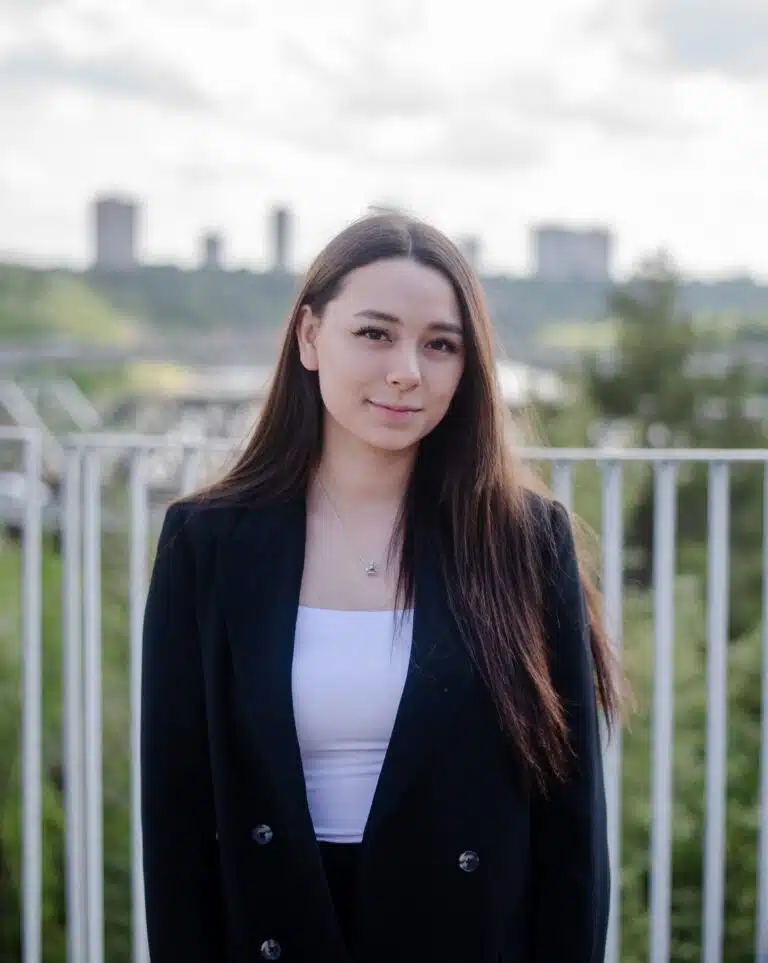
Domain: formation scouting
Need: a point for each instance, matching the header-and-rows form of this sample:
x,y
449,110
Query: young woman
x,y
372,668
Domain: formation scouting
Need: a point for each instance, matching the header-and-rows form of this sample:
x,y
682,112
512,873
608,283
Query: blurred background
x,y
169,169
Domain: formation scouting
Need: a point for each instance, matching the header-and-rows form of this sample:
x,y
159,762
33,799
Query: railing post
x,y
72,706
137,596
613,577
562,483
717,707
32,704
665,495
93,712
190,469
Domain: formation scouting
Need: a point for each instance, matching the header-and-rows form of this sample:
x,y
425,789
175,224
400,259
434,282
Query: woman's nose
x,y
405,371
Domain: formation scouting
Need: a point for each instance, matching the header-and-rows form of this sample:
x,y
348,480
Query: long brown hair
x,y
467,495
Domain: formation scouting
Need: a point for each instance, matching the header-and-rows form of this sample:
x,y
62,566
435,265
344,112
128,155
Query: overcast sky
x,y
484,116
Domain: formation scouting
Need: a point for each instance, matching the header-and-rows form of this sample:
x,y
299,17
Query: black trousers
x,y
340,861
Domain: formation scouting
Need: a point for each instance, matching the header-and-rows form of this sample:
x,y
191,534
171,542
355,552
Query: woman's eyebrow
x,y
449,327
375,315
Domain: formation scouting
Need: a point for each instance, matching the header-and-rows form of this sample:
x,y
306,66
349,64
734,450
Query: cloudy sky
x,y
484,116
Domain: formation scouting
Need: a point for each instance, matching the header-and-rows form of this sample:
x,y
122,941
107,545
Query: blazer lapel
x,y
437,681
260,569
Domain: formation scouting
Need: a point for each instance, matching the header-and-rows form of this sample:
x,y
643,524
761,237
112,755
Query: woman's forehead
x,y
400,286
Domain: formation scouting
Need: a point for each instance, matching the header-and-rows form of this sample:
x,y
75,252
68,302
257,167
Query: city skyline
x,y
557,253
645,117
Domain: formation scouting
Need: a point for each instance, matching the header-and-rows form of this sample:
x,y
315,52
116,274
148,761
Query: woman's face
x,y
389,352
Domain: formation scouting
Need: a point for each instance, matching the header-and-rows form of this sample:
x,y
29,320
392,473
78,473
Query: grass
x,y
582,336
600,335
36,305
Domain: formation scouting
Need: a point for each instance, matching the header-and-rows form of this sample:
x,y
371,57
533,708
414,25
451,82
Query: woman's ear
x,y
306,335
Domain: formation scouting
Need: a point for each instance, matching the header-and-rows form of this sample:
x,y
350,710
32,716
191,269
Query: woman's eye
x,y
373,334
443,344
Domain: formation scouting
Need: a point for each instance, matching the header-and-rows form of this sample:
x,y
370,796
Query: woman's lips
x,y
403,409
396,413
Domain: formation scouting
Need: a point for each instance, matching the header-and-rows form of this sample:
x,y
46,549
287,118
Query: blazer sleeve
x,y
181,876
570,863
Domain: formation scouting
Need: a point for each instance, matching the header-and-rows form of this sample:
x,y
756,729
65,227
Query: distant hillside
x,y
40,305
169,297
172,298
90,305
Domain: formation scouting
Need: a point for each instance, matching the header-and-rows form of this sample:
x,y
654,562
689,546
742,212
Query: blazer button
x,y
262,835
469,861
270,950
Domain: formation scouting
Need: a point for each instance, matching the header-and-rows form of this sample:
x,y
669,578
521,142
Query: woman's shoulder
x,y
549,521
546,514
204,520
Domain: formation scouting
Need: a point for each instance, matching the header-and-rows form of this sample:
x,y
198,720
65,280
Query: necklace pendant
x,y
370,569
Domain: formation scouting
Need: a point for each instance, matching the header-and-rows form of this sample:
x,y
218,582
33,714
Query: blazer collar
x,y
259,570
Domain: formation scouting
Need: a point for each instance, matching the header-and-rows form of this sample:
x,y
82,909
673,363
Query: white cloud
x,y
121,73
727,36
482,116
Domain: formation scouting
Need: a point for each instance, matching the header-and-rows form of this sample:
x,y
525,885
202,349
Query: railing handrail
x,y
119,440
17,433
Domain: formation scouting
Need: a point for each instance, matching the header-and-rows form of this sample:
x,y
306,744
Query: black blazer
x,y
231,866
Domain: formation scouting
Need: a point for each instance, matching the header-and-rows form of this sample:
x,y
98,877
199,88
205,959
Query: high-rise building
x,y
212,249
470,247
565,254
281,239
115,221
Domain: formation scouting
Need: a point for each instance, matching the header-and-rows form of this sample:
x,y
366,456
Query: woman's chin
x,y
391,441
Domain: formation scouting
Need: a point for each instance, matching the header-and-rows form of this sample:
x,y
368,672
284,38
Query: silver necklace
x,y
369,566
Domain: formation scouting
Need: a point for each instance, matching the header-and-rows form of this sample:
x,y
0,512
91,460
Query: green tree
x,y
660,382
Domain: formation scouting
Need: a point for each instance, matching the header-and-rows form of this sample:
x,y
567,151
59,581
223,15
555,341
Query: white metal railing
x,y
82,521
82,644
31,689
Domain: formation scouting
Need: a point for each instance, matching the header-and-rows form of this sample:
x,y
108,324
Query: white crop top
x,y
348,676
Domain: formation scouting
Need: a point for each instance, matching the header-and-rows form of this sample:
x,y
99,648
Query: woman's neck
x,y
359,475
